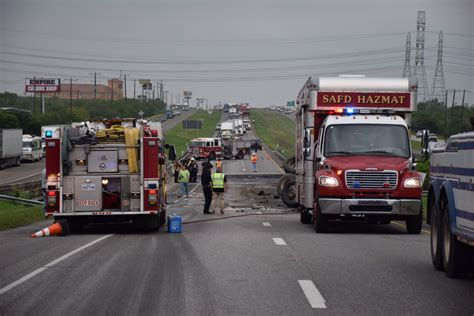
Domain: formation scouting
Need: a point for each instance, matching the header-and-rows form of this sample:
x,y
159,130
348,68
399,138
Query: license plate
x,y
88,187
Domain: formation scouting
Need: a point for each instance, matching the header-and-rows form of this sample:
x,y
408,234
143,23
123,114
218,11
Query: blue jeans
x,y
254,166
184,188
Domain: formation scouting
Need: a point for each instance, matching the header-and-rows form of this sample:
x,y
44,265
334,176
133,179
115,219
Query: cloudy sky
x,y
253,51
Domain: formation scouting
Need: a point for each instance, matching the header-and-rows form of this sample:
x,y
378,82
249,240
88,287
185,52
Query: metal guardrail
x,y
20,200
32,186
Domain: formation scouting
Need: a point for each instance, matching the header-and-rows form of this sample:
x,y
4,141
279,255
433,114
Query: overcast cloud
x,y
230,51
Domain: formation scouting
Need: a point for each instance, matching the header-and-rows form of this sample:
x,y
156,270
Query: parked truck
x,y
32,148
11,147
227,130
450,206
353,153
205,148
106,171
236,148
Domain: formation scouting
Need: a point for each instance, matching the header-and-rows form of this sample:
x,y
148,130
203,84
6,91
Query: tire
x,y
305,216
2,164
240,155
435,235
75,225
289,194
321,221
163,217
282,182
289,165
18,161
414,223
455,254
212,156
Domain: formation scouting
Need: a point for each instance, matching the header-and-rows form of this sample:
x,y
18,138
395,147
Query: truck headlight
x,y
412,183
328,181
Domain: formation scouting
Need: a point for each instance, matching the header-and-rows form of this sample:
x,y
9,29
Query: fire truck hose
x,y
131,140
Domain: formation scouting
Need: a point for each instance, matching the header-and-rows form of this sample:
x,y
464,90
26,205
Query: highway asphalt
x,y
254,260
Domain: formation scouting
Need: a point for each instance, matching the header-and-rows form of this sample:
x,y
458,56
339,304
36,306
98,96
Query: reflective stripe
x,y
219,164
217,180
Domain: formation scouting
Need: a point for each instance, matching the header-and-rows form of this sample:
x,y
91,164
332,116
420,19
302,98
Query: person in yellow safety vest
x,y
219,187
254,159
218,163
183,179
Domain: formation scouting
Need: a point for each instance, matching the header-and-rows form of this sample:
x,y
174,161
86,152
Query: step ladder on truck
x,y
106,171
353,154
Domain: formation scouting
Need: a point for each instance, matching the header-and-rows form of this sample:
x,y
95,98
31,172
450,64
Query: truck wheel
x,y
321,221
18,161
455,254
2,164
212,156
305,216
289,194
282,182
240,155
75,225
435,236
289,165
414,223
163,217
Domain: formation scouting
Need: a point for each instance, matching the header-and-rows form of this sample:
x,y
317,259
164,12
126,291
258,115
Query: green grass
x,y
415,145
424,200
14,215
275,130
179,137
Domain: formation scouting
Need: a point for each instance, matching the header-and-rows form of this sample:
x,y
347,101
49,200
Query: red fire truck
x,y
205,147
107,171
353,152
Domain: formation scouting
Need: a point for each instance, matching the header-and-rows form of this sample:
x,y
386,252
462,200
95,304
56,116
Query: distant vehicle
x,y
450,211
247,124
176,113
32,149
419,134
232,110
11,147
244,109
163,119
237,149
202,148
432,137
225,109
227,129
169,114
218,127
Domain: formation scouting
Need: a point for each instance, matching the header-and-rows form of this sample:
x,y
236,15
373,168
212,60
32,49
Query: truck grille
x,y
356,179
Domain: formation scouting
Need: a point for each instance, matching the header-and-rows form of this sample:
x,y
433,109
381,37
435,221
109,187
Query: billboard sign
x,y
191,124
290,103
187,93
40,85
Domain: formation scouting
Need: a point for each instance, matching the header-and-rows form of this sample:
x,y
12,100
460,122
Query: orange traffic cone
x,y
59,228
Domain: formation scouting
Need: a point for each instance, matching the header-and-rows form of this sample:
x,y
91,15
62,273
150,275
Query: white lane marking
x,y
279,241
315,299
189,193
266,224
23,178
49,265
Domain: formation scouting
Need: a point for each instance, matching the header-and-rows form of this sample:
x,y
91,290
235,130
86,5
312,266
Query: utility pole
x,y
446,108
462,104
34,95
95,86
125,86
70,95
439,85
452,105
134,89
406,68
112,91
420,72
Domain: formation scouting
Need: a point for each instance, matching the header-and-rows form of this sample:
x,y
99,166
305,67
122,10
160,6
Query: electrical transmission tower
x,y
200,103
439,86
407,68
420,72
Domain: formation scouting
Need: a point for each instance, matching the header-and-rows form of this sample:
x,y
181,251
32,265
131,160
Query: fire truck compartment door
x,y
102,161
88,193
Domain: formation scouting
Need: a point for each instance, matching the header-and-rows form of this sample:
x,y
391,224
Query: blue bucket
x,y
174,223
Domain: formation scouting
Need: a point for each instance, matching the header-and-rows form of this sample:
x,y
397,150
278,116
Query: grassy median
x,y
179,137
14,215
275,130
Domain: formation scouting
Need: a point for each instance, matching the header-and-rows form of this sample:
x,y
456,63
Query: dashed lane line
x,y
279,241
314,297
49,265
267,224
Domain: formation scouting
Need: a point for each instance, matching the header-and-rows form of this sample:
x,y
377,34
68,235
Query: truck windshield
x,y
28,144
369,139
